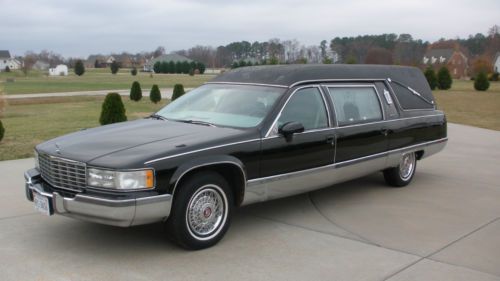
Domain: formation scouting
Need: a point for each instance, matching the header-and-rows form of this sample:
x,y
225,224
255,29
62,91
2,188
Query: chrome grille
x,y
63,173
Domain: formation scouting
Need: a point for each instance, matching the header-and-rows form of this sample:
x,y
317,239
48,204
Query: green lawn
x,y
463,105
93,79
31,121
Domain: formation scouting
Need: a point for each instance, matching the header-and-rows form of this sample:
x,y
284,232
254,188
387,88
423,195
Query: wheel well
x,y
231,172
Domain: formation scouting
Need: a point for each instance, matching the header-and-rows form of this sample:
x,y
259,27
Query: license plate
x,y
42,204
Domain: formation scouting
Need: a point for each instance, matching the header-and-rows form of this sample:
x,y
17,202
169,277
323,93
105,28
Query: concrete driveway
x,y
444,226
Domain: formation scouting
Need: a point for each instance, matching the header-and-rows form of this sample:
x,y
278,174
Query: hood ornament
x,y
58,149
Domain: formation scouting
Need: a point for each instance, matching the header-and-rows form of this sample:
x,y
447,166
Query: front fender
x,y
205,161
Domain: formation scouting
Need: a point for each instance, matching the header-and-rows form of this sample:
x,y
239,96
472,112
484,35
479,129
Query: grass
x,y
463,105
31,121
92,80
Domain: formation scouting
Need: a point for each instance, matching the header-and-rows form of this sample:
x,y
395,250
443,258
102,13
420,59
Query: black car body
x,y
326,124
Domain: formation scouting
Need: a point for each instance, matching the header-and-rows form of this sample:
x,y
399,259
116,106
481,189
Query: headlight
x,y
120,179
37,163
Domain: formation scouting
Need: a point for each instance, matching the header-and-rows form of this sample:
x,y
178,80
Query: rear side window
x,y
355,105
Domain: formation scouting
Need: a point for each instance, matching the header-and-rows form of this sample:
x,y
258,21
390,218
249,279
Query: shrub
x,y
133,71
201,67
113,110
430,75
155,95
2,130
157,67
178,91
114,67
481,83
191,72
444,80
494,76
79,68
135,91
235,65
7,69
242,63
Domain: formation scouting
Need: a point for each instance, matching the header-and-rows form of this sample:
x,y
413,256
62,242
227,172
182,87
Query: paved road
x,y
165,93
445,226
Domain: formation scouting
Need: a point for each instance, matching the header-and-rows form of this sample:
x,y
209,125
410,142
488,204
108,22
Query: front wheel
x,y
201,212
402,174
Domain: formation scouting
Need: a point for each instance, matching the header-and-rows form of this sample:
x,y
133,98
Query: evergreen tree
x,y
201,67
79,68
185,67
481,82
133,71
135,91
164,67
430,75
96,64
178,91
157,67
191,72
178,67
171,67
155,95
114,67
444,80
113,110
2,130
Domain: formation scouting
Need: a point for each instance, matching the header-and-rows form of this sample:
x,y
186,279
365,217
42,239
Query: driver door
x,y
315,147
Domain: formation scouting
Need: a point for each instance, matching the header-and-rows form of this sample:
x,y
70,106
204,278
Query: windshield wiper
x,y
204,123
157,117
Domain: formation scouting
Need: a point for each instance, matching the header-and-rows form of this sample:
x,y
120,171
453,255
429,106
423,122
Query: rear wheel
x,y
402,174
201,212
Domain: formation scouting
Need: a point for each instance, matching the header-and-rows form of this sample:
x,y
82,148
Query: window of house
x,y
307,107
355,105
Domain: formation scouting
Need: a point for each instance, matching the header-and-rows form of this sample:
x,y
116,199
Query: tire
x,y
402,174
201,211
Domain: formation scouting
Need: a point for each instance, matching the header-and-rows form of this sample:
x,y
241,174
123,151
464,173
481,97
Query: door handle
x,y
385,131
330,140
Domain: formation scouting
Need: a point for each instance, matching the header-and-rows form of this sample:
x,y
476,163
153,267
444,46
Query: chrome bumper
x,y
125,212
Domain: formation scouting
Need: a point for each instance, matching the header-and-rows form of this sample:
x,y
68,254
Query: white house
x,y
7,61
496,63
60,70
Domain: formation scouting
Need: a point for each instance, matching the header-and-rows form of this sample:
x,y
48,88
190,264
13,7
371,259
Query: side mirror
x,y
290,128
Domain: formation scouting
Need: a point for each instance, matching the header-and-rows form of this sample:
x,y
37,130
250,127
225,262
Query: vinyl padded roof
x,y
289,75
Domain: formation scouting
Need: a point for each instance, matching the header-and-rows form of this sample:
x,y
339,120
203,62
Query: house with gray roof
x,y
7,61
148,66
454,60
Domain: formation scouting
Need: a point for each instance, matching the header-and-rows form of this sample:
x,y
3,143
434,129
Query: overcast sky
x,y
79,28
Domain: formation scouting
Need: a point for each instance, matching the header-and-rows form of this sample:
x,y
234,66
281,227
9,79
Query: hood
x,y
90,144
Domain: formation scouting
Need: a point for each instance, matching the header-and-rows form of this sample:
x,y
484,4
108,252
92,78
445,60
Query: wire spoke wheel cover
x,y
206,212
407,165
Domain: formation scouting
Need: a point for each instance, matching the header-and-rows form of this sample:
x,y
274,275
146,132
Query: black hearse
x,y
250,135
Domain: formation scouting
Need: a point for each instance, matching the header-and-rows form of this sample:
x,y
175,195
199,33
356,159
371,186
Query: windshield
x,y
239,106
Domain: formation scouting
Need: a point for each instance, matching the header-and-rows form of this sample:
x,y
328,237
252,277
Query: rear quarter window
x,y
354,105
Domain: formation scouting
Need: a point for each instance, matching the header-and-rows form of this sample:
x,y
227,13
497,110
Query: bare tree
x,y
28,62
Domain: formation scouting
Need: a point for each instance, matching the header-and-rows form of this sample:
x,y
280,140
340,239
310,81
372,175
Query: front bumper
x,y
117,212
